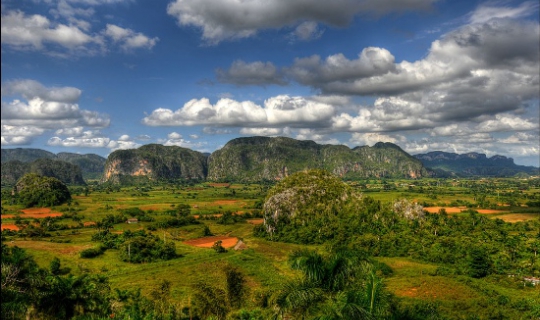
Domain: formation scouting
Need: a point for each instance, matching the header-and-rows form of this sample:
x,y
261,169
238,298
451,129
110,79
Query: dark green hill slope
x,y
91,165
154,162
473,164
25,154
66,172
259,158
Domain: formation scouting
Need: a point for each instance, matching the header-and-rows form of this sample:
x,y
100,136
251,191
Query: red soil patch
x,y
448,209
89,223
9,227
219,185
208,242
489,211
34,213
255,221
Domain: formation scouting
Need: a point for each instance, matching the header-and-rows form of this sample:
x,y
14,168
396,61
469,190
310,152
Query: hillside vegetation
x,y
473,164
64,171
264,158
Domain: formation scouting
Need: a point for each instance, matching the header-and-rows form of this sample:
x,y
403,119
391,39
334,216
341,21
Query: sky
x,y
95,76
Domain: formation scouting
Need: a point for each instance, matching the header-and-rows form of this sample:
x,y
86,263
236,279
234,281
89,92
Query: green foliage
x,y
479,264
38,293
219,299
146,248
93,252
263,158
34,190
218,247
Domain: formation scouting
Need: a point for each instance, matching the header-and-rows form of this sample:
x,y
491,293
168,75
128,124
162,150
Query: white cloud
x,y
315,135
491,10
277,111
128,38
30,89
24,32
505,122
229,19
122,145
261,131
75,142
306,31
46,108
313,71
21,31
174,136
369,139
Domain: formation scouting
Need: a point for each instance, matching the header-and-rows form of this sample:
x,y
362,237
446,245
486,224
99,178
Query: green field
x,y
427,287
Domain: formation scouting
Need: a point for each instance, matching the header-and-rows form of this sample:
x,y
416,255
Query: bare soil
x,y
208,242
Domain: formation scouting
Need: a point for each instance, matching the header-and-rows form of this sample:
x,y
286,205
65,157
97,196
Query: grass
x,y
264,263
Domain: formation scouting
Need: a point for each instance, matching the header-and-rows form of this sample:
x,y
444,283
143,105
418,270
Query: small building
x,y
533,280
240,245
132,220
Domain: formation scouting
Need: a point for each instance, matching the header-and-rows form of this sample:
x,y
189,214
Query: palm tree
x,y
330,287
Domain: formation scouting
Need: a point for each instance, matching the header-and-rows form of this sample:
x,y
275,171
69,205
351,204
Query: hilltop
x,y
473,164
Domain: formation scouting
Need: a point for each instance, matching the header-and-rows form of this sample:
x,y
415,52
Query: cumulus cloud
x,y
315,135
262,131
30,89
220,20
315,72
176,139
36,32
254,73
25,32
45,109
499,47
73,142
129,39
281,110
369,139
306,31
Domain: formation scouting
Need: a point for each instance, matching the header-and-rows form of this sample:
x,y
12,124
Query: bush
x,y
93,252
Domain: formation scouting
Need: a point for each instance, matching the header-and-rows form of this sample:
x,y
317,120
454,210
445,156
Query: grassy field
x,y
263,262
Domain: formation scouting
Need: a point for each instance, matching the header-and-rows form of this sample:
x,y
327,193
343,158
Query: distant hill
x,y
154,162
91,165
473,164
259,158
25,154
64,171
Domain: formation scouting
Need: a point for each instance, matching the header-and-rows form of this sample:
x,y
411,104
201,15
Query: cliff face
x,y
258,158
473,164
155,162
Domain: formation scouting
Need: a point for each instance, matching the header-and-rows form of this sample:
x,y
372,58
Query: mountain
x,y
154,162
473,164
25,154
91,165
66,172
260,158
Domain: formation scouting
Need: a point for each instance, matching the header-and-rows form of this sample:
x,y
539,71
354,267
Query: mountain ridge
x,y
473,164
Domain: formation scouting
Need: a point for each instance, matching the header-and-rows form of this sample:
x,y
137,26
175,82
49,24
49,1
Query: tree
x,y
35,190
479,263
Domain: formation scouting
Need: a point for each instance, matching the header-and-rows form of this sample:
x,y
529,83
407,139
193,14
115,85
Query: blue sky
x,y
94,76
